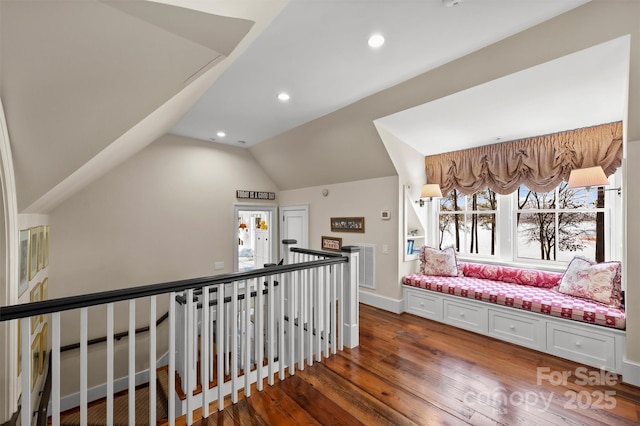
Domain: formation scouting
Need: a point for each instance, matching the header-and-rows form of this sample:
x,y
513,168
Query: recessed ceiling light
x,y
221,134
376,40
283,96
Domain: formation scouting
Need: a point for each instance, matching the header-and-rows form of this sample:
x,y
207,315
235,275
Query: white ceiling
x,y
579,90
317,51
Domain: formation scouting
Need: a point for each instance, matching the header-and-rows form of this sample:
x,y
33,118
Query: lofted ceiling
x,y
80,78
317,52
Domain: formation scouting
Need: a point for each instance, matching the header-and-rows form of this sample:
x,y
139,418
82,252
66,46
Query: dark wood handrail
x,y
75,302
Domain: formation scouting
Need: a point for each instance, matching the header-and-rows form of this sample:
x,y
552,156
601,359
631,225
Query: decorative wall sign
x,y
347,224
255,195
331,243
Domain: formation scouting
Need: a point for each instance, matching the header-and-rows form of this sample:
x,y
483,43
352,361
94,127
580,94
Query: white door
x,y
294,225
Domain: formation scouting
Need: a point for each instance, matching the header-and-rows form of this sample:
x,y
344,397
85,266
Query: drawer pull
x,y
578,344
422,304
462,314
512,327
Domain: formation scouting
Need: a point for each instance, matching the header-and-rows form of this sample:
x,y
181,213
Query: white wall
x,y
359,198
165,214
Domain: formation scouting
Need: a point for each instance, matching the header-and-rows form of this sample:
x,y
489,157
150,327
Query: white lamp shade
x,y
587,177
431,190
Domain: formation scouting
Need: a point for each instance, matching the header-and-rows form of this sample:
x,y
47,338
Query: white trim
x,y
630,372
8,293
382,302
272,228
100,391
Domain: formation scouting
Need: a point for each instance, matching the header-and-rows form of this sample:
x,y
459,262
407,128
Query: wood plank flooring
x,y
408,371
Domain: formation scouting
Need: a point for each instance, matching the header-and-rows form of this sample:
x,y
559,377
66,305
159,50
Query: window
x,y
527,226
468,222
560,224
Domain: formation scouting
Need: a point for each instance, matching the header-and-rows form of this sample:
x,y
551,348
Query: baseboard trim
x,y
100,391
631,372
382,302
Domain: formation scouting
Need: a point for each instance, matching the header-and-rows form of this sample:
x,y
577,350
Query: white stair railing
x,y
225,333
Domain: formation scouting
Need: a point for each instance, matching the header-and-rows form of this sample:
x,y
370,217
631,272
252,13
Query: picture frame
x,y
33,252
35,361
347,224
331,243
35,296
44,291
45,250
40,248
44,334
23,281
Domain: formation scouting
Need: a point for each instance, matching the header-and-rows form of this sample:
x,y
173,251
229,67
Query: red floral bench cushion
x,y
529,298
510,274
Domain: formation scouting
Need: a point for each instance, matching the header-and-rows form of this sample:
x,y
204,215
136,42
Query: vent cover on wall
x,y
367,265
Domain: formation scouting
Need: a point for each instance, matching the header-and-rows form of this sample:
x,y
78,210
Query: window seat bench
x,y
523,307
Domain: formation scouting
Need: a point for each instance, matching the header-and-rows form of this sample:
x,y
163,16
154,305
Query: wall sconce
x,y
430,191
588,177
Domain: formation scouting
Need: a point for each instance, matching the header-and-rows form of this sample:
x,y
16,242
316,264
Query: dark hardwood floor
x,y
408,370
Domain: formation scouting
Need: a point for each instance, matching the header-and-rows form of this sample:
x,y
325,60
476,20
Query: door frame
x,y
272,227
305,208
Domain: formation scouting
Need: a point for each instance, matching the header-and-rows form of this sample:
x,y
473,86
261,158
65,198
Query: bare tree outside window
x,y
559,224
468,222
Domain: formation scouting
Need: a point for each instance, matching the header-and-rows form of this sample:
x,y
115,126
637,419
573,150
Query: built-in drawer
x,y
585,346
424,304
465,315
517,329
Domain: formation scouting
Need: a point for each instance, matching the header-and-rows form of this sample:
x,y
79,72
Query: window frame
x,y
507,232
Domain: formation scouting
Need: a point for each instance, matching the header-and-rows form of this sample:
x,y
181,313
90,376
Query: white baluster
x,y
110,364
308,288
247,338
205,360
234,343
301,313
25,341
220,343
152,360
172,359
55,365
259,334
132,362
333,297
326,303
83,365
292,282
190,354
281,324
271,331
341,269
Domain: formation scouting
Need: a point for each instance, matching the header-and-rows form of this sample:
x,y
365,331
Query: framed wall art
x,y
44,334
35,296
33,252
23,281
35,361
40,248
331,243
347,224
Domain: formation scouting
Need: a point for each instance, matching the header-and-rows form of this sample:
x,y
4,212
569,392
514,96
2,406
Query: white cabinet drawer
x,y
424,304
465,315
585,346
517,329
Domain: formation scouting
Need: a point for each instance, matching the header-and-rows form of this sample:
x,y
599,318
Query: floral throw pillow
x,y
599,282
438,262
